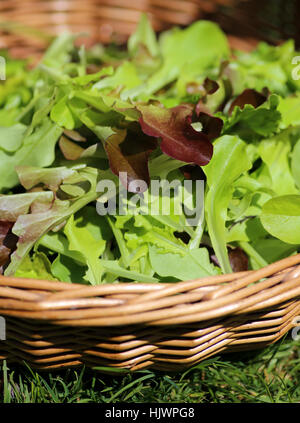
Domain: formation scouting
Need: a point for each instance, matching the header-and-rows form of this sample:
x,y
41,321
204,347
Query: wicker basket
x,y
100,20
245,21
133,325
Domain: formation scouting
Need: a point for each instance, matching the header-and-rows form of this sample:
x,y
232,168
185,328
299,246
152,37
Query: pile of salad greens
x,y
179,106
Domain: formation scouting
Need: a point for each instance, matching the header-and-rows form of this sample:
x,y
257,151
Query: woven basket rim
x,y
154,303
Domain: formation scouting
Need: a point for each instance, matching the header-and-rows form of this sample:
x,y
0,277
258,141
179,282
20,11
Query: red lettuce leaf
x,y
248,96
35,177
8,243
128,152
179,138
211,126
238,259
209,86
33,214
74,135
69,149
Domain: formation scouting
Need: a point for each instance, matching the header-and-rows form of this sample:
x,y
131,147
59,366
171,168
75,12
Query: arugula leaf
x,y
230,161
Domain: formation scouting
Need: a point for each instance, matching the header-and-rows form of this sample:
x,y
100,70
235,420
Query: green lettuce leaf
x,y
230,161
36,267
192,265
37,149
281,218
81,240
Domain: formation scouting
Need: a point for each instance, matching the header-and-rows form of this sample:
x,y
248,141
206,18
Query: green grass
x,y
265,376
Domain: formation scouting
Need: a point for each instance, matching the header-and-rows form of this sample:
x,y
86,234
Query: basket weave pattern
x,y
245,21
101,20
134,326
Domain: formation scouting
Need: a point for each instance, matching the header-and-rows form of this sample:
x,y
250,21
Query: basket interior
x,y
26,27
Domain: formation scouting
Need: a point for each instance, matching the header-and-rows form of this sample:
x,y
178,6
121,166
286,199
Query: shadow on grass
x,y
268,375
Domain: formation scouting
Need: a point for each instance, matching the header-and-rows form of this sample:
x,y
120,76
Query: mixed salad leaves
x,y
179,106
